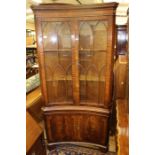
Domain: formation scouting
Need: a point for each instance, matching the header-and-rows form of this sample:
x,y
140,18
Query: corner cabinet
x,y
75,46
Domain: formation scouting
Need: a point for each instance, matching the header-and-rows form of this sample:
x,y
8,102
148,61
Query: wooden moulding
x,y
73,109
43,11
61,6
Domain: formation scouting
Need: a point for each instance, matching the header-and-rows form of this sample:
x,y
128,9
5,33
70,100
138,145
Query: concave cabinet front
x,y
75,49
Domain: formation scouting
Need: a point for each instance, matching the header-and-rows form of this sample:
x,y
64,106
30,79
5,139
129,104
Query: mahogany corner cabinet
x,y
75,46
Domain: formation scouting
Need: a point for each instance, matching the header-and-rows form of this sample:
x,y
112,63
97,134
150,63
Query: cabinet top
x,y
63,6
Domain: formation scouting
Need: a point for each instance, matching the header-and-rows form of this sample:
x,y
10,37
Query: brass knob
x,y
122,83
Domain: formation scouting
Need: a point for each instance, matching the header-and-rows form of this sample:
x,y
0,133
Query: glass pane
x,y
64,36
100,36
86,35
57,50
92,55
56,35
50,38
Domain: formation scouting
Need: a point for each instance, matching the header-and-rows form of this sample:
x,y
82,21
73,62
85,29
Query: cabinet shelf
x,y
57,50
92,50
79,80
69,50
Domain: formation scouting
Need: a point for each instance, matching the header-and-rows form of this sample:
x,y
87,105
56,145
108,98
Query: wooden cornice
x,y
61,6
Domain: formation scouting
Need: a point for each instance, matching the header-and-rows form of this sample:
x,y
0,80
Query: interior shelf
x,y
69,50
57,50
79,80
92,50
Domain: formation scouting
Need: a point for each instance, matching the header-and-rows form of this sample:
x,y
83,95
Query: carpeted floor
x,y
76,150
70,149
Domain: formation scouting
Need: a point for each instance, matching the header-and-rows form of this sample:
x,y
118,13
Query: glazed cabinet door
x,y
77,61
57,49
94,53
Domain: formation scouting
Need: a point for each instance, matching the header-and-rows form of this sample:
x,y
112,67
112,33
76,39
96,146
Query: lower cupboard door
x,y
77,127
